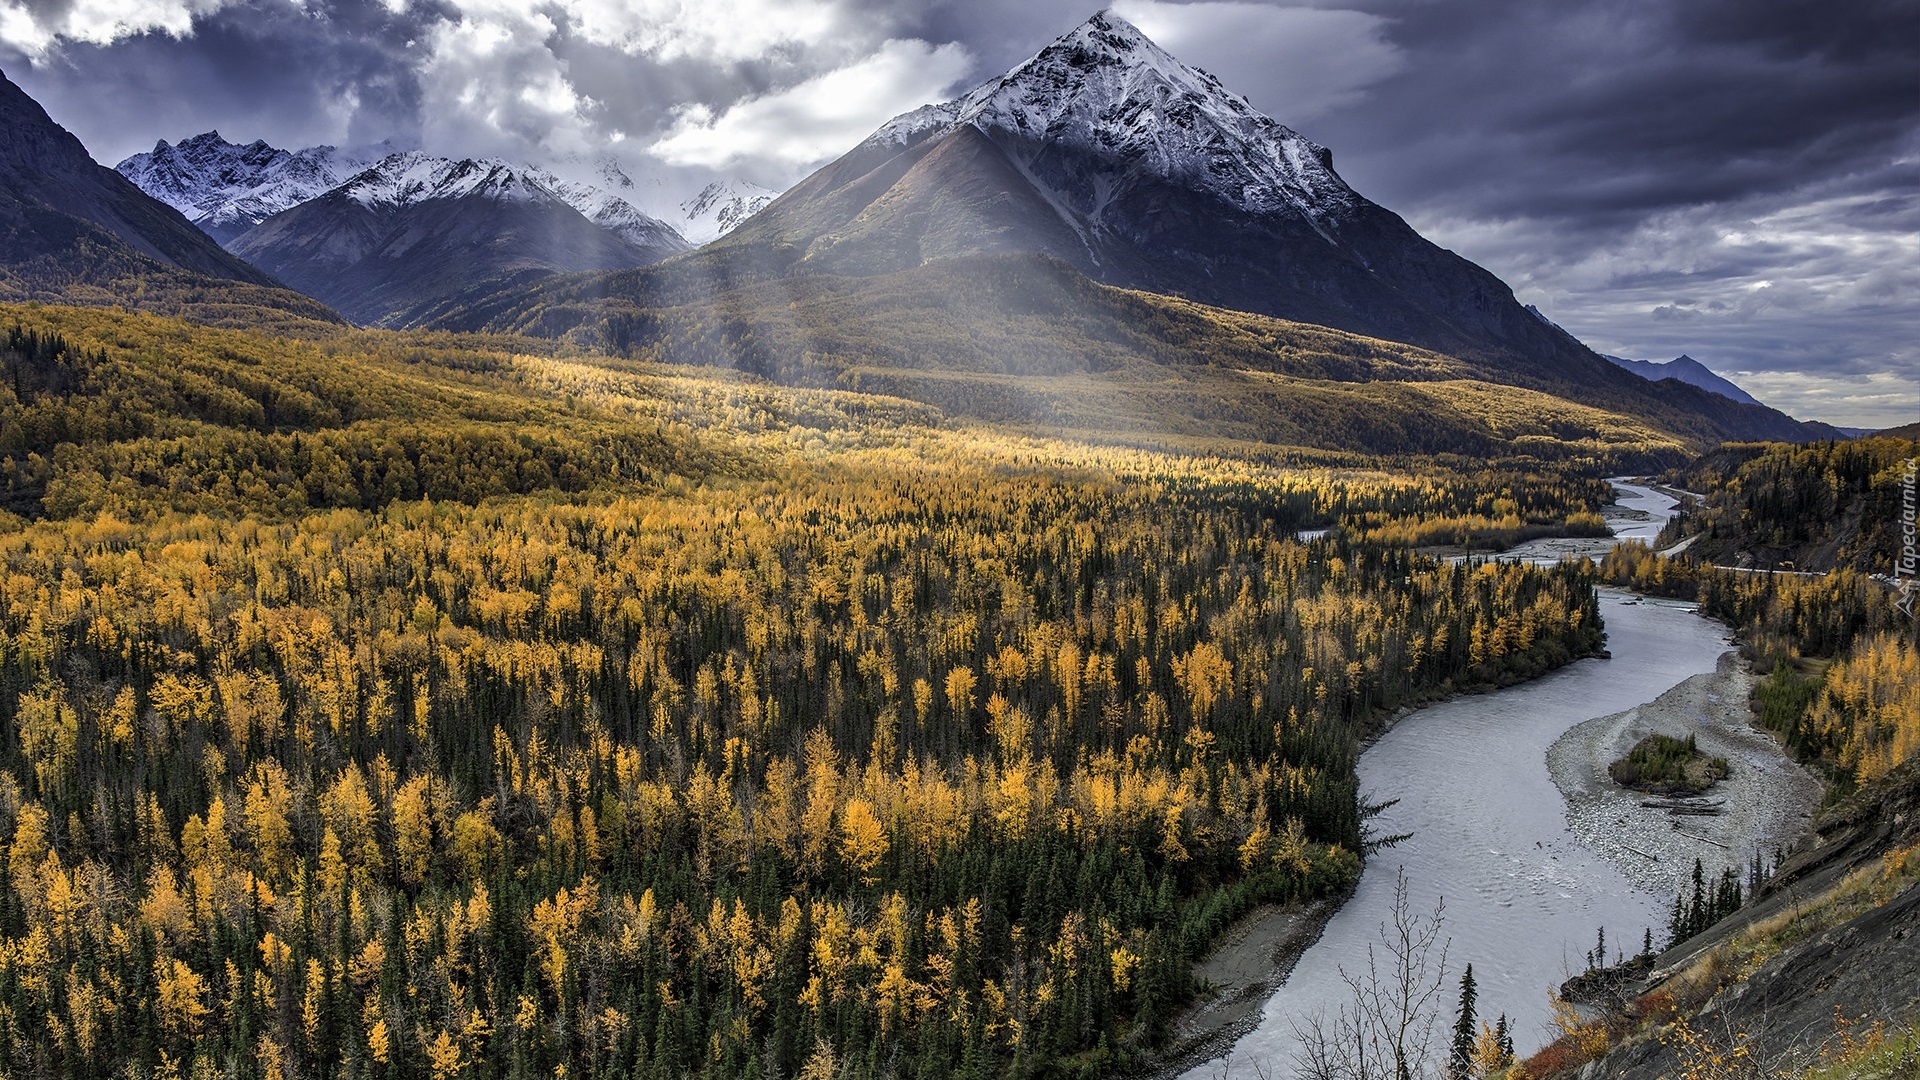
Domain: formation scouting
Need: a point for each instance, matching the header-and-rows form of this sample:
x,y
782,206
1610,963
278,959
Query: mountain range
x,y
375,237
73,231
227,188
1105,155
1100,168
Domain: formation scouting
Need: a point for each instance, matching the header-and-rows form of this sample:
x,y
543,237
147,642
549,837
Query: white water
x,y
1523,896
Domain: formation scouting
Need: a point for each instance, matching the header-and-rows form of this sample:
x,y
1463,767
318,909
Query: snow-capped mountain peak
x,y
720,207
1106,88
415,177
611,208
226,188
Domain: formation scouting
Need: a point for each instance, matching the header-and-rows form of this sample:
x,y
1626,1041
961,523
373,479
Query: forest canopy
x,y
408,706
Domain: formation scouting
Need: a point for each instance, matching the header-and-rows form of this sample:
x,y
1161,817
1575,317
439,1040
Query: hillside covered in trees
x,y
1817,507
378,705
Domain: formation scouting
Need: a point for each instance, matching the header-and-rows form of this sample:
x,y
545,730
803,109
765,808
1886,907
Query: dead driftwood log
x,y
1702,839
1686,807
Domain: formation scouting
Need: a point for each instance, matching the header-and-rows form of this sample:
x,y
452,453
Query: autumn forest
x,y
380,705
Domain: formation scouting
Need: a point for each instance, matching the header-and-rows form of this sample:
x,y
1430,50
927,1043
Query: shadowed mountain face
x,y
414,229
62,212
1113,156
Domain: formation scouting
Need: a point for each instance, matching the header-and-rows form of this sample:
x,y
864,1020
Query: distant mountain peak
x,y
721,207
227,189
1106,88
1687,370
612,207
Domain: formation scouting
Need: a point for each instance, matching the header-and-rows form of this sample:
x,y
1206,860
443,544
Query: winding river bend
x,y
1523,897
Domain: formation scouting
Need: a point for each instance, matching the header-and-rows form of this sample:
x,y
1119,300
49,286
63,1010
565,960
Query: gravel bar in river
x,y
1765,802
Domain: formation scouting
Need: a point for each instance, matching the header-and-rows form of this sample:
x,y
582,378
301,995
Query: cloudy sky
x,y
1738,180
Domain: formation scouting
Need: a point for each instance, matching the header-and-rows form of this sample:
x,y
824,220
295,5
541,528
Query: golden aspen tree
x,y
181,996
923,701
264,811
412,831
863,839
445,1059
960,683
28,850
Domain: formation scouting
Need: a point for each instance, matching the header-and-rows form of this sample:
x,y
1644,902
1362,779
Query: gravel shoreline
x,y
1768,799
1245,967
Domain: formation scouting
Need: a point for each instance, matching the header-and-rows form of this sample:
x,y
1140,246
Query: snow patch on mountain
x,y
720,207
227,188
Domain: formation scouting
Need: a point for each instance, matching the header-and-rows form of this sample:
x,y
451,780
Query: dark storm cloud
x,y
294,76
1734,179
1630,106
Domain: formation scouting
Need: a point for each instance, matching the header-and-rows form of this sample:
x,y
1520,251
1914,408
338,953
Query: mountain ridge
x,y
415,227
227,188
1688,370
45,169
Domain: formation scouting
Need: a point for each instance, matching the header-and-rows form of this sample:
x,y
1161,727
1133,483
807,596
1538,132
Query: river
x,y
1523,897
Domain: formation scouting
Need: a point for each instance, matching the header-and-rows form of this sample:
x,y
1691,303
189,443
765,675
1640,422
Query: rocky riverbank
x,y
1247,964
1764,804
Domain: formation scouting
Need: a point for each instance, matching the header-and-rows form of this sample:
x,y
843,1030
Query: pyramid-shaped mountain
x,y
1106,152
1687,370
1102,160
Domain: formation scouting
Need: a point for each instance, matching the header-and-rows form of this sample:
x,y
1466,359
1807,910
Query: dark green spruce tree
x,y
1460,1058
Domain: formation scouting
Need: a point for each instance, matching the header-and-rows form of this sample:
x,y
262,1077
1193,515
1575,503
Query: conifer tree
x,y
1460,1057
